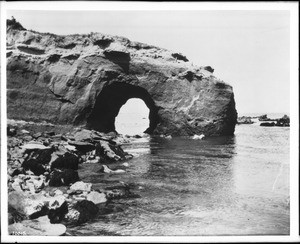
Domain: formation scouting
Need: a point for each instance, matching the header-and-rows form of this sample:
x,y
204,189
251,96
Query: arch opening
x,y
132,118
111,99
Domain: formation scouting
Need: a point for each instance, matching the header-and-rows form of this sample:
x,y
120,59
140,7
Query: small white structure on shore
x,y
198,137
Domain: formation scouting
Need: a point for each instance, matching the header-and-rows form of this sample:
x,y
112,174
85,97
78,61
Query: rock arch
x,y
84,80
111,99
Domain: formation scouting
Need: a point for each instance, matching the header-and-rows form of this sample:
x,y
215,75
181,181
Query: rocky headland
x,y
84,80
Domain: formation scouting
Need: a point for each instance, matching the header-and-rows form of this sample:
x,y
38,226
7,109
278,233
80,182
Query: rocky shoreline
x,y
45,191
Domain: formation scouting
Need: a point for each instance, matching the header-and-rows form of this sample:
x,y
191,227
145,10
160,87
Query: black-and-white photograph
x,y
168,120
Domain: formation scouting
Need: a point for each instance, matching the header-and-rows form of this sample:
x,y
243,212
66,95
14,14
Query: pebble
x,y
198,137
24,131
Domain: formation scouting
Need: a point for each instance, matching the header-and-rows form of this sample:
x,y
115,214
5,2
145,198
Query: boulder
x,y
66,161
24,206
63,177
30,206
34,146
81,186
35,207
37,227
43,155
85,81
83,147
29,183
70,148
17,171
57,210
81,212
34,165
37,160
83,135
96,197
111,152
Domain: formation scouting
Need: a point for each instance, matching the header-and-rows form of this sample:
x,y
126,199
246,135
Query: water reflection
x,y
215,186
185,169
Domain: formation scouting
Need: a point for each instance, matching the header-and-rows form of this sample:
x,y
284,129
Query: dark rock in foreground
x,y
86,210
63,177
85,79
66,161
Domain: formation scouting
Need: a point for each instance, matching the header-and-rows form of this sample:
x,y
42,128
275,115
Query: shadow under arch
x,y
111,99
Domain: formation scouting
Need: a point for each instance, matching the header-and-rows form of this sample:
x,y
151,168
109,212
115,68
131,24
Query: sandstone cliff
x,y
85,79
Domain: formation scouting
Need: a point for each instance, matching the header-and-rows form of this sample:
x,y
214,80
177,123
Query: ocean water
x,y
233,185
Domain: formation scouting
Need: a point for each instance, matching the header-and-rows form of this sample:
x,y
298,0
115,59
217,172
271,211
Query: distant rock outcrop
x,y
264,118
244,120
85,79
281,122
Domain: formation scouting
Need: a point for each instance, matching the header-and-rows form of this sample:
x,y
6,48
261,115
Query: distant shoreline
x,y
270,115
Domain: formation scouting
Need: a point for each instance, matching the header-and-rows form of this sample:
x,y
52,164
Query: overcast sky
x,y
248,49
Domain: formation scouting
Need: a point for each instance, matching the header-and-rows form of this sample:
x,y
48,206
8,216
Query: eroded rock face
x,y
85,79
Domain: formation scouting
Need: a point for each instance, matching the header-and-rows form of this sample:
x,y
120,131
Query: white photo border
x,y
159,6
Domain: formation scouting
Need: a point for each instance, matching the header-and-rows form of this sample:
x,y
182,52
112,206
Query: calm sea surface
x,y
234,185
